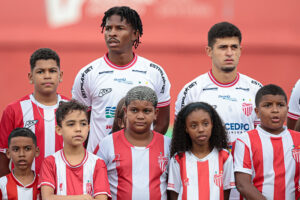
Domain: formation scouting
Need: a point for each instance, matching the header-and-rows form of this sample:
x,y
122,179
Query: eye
x,y
70,124
193,126
53,70
28,148
39,72
205,124
134,110
107,28
15,149
84,123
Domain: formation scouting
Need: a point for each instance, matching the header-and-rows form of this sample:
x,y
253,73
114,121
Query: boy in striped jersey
x,y
21,183
36,111
137,157
267,159
73,173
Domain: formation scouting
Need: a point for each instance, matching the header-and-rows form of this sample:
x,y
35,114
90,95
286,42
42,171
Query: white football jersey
x,y
234,102
294,104
101,84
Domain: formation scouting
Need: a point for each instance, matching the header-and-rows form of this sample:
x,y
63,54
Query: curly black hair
x,y
222,30
131,16
119,116
43,54
181,140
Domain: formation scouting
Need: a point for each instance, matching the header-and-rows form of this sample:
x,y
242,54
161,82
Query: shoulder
x,y
16,104
150,64
252,82
94,65
296,88
3,180
196,82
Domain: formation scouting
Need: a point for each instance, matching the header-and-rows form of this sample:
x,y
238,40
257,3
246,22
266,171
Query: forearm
x,y
68,197
226,194
161,124
4,162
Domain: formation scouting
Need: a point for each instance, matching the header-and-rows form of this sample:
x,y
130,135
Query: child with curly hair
x,y
200,167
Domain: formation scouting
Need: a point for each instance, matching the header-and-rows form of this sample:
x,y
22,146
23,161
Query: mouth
x,y
77,137
113,42
275,119
48,84
229,61
202,137
22,162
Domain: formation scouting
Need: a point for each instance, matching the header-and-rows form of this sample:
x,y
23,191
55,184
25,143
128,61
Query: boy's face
x,y
74,128
22,151
119,35
139,116
272,111
45,76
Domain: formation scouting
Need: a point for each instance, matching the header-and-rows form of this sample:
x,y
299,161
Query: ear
x,y
58,130
8,154
37,151
61,76
208,50
256,111
30,77
156,111
135,35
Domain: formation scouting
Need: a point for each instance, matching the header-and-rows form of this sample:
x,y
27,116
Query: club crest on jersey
x,y
104,92
247,108
30,123
89,188
116,160
186,182
296,153
60,187
218,179
163,162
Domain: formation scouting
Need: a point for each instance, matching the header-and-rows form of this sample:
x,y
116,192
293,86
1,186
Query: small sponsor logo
x,y
106,72
89,188
123,80
108,126
296,153
218,179
240,88
139,71
227,98
237,128
163,162
162,76
61,187
186,182
256,83
30,123
82,79
214,88
186,91
247,108
171,185
110,112
104,92
116,160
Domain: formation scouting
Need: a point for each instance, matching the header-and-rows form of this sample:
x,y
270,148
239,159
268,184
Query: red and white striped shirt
x,y
294,104
273,161
136,172
12,189
206,178
29,113
88,177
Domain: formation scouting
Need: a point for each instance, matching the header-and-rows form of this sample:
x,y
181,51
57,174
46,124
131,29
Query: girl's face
x,y
199,126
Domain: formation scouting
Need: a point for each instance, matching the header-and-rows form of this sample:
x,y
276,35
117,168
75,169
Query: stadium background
x,y
175,35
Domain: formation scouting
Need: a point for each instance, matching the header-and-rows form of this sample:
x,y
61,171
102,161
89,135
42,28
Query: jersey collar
x,y
74,166
214,80
120,67
20,184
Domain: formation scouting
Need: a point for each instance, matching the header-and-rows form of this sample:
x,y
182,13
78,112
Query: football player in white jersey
x,y
294,106
102,83
232,94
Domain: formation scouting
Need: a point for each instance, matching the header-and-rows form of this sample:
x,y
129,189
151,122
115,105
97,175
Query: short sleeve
x,y
81,90
242,158
6,126
174,179
228,174
48,173
101,184
294,104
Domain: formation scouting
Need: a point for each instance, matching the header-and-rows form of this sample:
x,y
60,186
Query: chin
x,y
228,69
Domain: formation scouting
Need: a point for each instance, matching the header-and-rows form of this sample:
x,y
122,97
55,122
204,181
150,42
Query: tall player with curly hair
x,y
102,83
201,167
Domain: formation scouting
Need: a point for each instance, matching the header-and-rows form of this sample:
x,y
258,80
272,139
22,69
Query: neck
x,y
47,100
224,77
139,139
74,155
24,176
120,58
201,150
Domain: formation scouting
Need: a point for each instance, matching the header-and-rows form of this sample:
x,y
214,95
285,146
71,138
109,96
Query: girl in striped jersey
x,y
200,167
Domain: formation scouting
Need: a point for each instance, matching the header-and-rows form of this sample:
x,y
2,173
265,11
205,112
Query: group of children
x,y
137,163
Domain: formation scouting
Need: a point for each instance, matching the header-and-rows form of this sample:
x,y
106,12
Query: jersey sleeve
x,y
174,179
6,126
101,185
82,88
48,173
294,104
242,157
103,150
162,85
228,174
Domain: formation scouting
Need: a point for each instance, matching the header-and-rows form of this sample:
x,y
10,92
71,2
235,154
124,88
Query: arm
x,y
246,188
172,195
48,194
226,194
101,197
4,162
291,123
161,123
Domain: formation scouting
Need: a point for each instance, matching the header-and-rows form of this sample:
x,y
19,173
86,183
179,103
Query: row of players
x,y
102,83
138,163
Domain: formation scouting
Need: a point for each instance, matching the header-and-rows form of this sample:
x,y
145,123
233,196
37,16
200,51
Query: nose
x,y
112,32
21,152
229,51
140,115
200,128
274,108
47,74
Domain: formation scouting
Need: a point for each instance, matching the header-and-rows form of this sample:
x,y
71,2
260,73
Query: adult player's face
x,y
272,111
225,54
22,151
199,127
74,128
45,76
119,35
139,116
